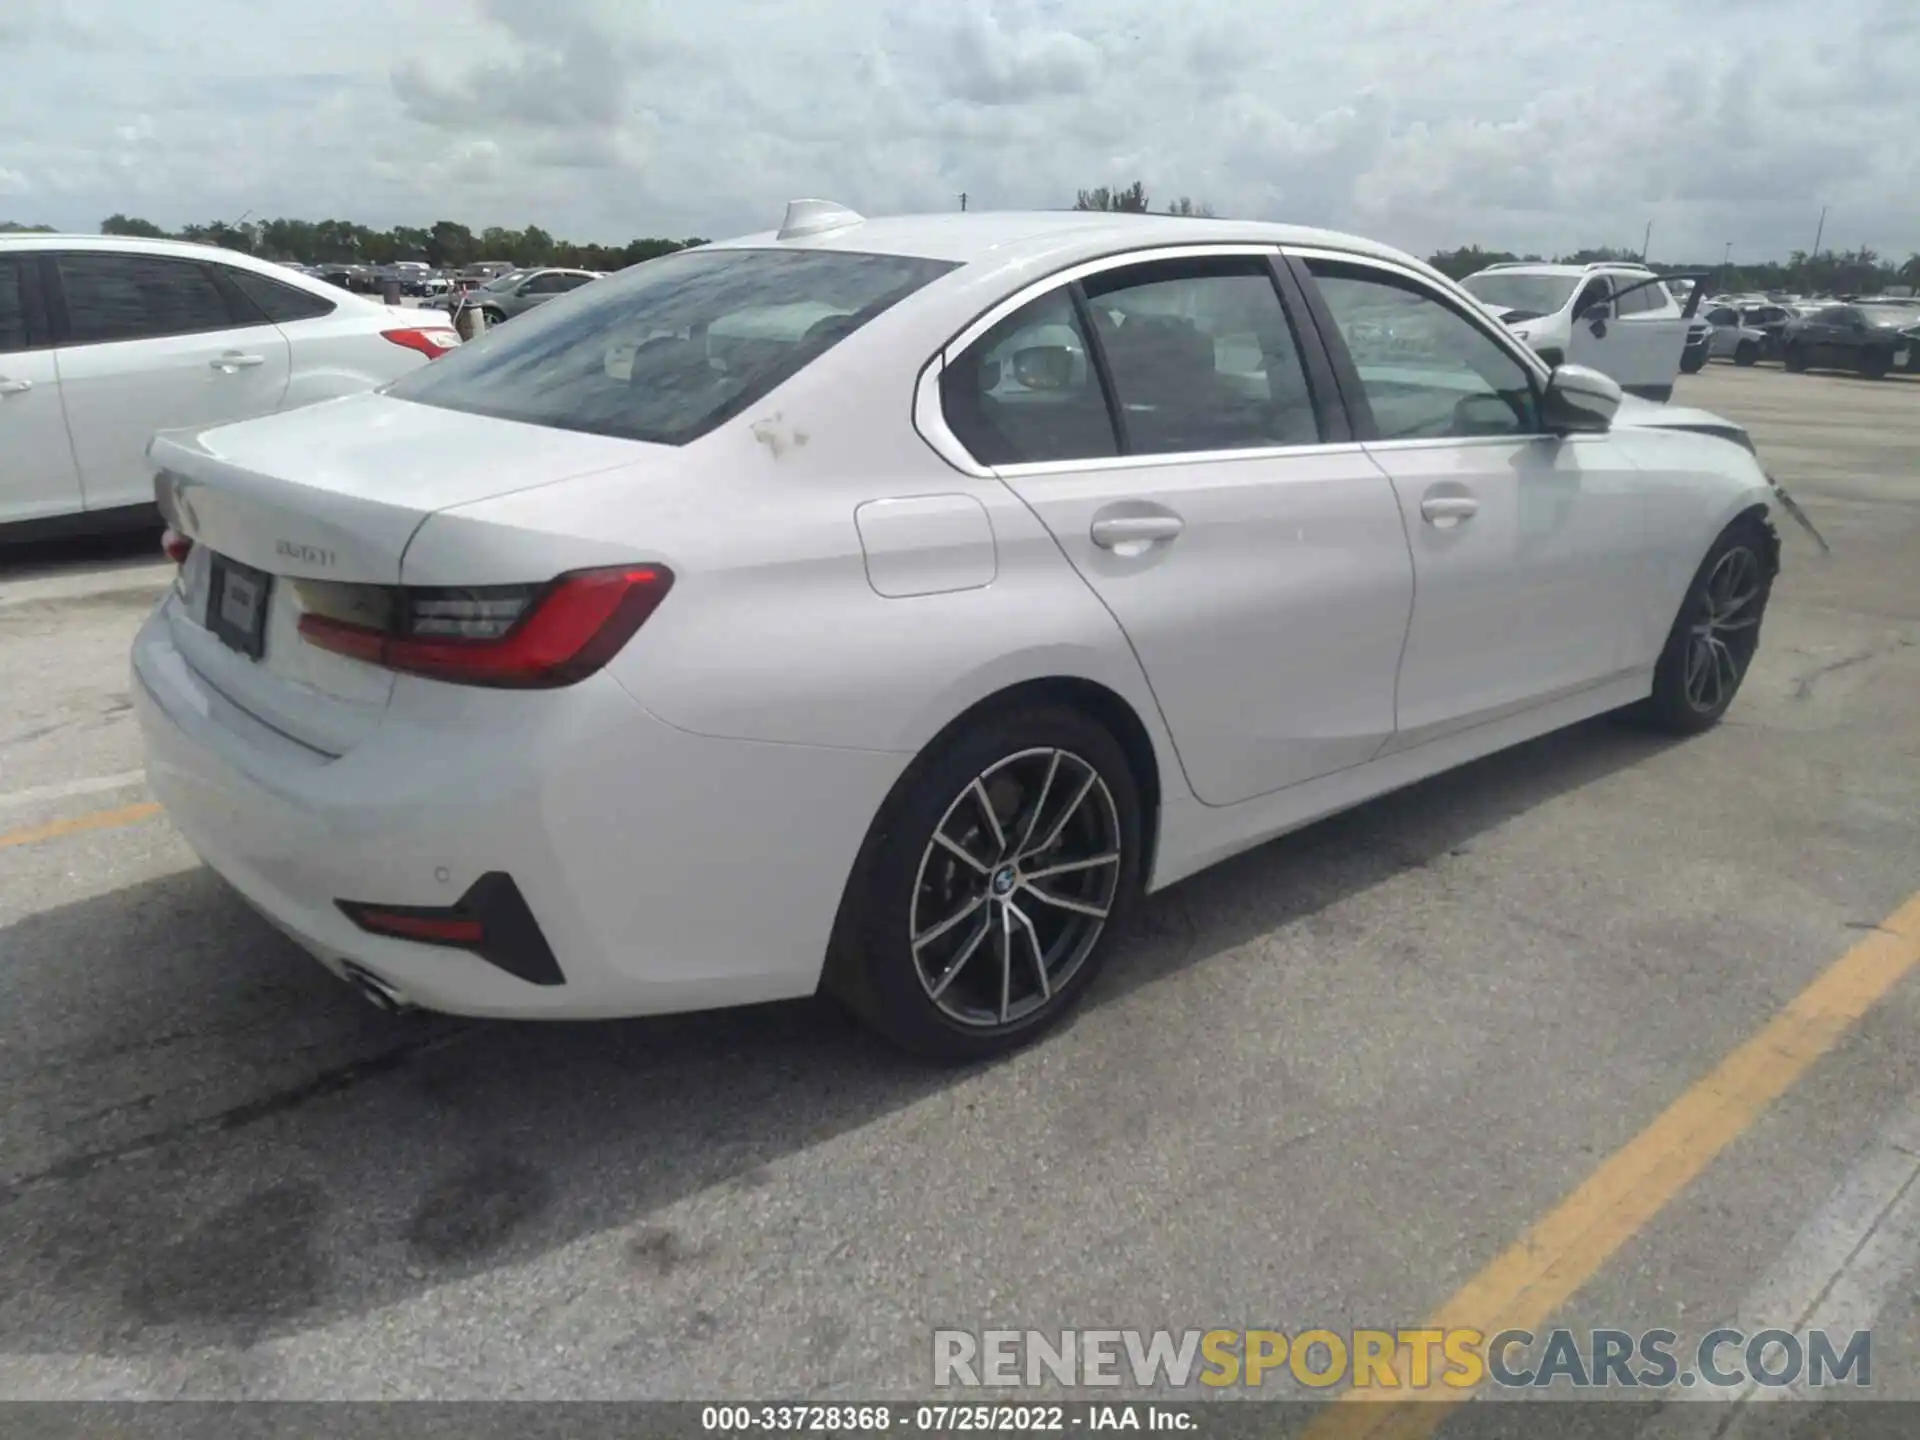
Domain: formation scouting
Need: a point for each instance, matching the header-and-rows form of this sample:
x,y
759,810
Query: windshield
x,y
506,281
668,349
1529,294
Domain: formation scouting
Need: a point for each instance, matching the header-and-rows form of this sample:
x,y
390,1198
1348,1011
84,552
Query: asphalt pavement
x,y
1329,1083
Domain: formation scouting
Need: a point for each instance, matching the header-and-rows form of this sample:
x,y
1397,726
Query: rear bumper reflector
x,y
491,920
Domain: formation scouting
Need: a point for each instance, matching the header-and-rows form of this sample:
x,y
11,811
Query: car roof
x,y
1569,272
996,239
177,249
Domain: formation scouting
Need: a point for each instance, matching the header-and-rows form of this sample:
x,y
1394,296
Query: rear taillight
x,y
432,341
511,636
175,546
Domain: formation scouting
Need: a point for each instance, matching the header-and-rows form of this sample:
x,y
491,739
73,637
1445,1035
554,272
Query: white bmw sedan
x,y
884,605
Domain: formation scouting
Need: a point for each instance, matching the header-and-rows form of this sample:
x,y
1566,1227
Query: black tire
x,y
1686,701
873,966
1874,363
1746,353
494,317
1794,357
1692,362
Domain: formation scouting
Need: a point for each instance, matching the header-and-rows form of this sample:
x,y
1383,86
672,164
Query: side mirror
x,y
1580,400
1483,415
1043,367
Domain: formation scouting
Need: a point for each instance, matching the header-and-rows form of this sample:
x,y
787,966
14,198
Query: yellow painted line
x,y
98,820
1524,1287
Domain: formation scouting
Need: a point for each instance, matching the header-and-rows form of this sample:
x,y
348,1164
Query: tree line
x,y
448,244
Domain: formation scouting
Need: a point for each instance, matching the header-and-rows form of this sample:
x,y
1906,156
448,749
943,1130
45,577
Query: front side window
x,y
138,297
667,350
1201,357
1027,391
1596,292
1426,370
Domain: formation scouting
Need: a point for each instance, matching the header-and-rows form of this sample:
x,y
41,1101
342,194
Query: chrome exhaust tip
x,y
375,991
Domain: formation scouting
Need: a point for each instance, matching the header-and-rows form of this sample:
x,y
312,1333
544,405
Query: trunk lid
x,y
320,498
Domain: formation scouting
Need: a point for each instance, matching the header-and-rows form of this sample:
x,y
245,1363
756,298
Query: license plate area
x,y
239,598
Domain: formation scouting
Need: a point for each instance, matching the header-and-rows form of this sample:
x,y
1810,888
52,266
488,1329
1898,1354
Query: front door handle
x,y
236,360
1443,512
14,387
1131,534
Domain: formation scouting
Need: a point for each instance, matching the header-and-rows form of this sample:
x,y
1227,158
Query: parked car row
x,y
105,340
1871,337
514,292
414,277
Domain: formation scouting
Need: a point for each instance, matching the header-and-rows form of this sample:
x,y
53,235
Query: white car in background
x,y
105,340
1615,317
885,605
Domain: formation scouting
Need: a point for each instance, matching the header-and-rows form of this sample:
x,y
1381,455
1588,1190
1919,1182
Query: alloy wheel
x,y
1014,889
1722,638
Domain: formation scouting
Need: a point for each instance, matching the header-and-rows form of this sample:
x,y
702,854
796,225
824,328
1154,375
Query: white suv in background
x,y
105,340
1617,318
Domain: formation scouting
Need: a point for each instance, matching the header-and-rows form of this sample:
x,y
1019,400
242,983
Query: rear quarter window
x,y
670,349
277,302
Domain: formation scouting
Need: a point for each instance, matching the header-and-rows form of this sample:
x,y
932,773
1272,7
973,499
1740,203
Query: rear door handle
x,y
235,360
1130,534
1443,512
14,387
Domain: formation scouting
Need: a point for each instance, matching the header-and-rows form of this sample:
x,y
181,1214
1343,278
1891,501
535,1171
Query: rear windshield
x,y
670,348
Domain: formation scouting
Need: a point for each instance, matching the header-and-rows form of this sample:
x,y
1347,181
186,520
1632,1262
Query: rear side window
x,y
13,308
138,297
277,302
1201,357
667,350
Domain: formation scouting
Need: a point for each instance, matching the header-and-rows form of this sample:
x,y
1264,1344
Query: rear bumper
x,y
666,871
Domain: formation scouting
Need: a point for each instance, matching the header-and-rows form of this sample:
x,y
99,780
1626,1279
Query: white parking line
x,y
1836,1274
97,785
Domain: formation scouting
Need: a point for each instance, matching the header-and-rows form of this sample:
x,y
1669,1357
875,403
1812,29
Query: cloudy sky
x,y
1520,124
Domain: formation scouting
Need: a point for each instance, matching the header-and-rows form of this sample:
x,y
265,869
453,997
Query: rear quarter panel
x,y
773,631
344,354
